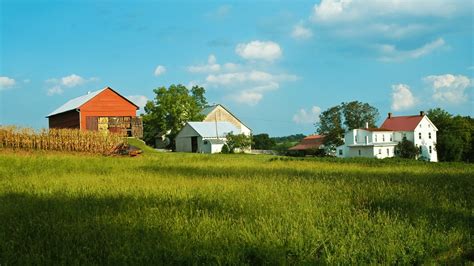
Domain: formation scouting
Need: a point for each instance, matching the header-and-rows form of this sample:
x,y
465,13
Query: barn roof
x,y
77,102
309,143
208,129
402,123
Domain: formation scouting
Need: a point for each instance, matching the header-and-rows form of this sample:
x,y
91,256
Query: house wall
x,y
422,138
220,114
64,120
382,152
365,151
106,103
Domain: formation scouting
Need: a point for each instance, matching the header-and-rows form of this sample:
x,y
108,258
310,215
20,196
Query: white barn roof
x,y
75,103
208,129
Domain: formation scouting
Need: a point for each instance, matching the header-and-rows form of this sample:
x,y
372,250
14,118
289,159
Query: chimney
x,y
422,113
366,124
389,115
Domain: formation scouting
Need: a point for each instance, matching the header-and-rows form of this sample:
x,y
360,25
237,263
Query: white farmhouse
x,y
204,137
381,142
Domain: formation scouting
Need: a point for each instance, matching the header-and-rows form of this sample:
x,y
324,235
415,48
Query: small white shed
x,y
204,137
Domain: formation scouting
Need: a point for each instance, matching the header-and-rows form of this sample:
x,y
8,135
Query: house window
x,y
359,152
391,138
404,135
380,151
430,149
419,135
420,149
429,135
340,152
375,137
383,137
388,152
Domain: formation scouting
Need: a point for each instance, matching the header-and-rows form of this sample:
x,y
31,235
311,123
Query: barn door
x,y
194,144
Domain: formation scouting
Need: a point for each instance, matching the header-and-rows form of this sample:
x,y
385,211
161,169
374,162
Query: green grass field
x,y
176,208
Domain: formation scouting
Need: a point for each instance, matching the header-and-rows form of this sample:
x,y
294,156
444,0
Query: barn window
x,y
429,135
206,142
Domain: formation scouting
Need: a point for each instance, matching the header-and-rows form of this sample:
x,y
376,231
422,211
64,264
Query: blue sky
x,y
275,64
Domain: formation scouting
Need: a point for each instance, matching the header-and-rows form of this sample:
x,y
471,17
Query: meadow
x,y
174,208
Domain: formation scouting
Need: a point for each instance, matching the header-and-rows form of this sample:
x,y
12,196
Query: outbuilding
x,y
204,137
103,110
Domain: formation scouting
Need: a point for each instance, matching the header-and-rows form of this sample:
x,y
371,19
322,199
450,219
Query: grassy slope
x,y
177,208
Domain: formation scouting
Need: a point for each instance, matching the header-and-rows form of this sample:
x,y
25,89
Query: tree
x,y
336,120
236,142
356,114
406,149
262,142
169,111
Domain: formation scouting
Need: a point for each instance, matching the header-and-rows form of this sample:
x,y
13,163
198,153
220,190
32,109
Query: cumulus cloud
x,y
139,100
337,11
304,116
159,70
390,53
6,83
248,97
211,66
301,32
449,88
402,97
71,81
259,50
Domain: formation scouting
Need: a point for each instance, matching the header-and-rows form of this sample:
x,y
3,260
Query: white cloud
x,y
259,50
55,90
211,66
304,116
390,53
337,11
159,70
248,97
139,100
301,32
449,88
402,97
6,82
71,81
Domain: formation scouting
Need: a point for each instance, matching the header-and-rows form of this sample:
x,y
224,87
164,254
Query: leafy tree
x,y
330,125
356,114
406,149
236,142
169,111
262,142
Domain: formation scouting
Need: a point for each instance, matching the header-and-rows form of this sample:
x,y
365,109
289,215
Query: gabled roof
x,y
76,103
309,143
208,109
208,129
402,123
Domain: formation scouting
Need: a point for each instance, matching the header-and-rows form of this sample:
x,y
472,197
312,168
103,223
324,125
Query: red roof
x,y
402,123
376,129
309,143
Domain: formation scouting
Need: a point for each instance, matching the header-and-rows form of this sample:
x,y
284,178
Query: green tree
x,y
234,142
356,114
330,125
262,142
406,149
169,111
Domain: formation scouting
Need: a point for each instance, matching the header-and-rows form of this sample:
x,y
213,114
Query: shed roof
x,y
402,123
309,143
77,102
208,129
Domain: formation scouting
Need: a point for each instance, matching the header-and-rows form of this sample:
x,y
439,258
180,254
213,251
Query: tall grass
x,y
59,140
232,209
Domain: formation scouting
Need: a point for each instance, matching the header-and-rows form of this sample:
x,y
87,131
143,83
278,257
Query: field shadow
x,y
57,229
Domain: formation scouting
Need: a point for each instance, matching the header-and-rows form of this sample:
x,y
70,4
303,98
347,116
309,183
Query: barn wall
x,y
106,103
64,120
222,115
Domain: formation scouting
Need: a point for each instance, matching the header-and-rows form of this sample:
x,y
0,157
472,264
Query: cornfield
x,y
59,140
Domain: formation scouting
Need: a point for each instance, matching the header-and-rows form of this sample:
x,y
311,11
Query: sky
x,y
275,64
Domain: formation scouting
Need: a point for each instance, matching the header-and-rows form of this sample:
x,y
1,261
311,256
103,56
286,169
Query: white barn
x,y
219,113
381,142
204,137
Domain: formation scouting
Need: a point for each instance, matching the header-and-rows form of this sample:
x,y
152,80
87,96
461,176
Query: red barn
x,y
104,109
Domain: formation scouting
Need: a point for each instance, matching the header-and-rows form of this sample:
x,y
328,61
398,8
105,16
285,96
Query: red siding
x,y
106,103
64,120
